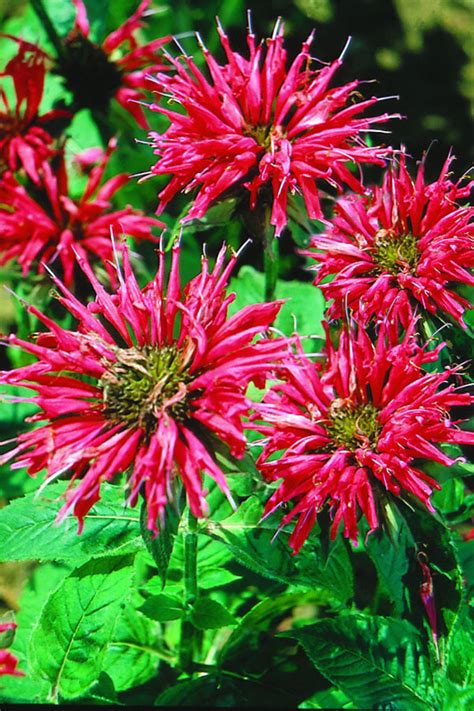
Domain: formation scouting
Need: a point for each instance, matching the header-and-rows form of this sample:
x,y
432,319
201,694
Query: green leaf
x,y
160,547
264,615
209,615
131,657
374,661
216,578
303,310
327,699
102,693
454,696
451,498
28,530
391,558
460,666
204,691
163,608
29,689
253,544
69,642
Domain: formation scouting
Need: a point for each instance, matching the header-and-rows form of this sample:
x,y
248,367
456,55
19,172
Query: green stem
x,y
270,263
270,251
49,28
103,125
187,640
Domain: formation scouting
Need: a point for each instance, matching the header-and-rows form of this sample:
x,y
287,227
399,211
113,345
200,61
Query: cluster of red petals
x,y
24,137
218,355
8,662
259,124
444,235
134,62
46,225
412,415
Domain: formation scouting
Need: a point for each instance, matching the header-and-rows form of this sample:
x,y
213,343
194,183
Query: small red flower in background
x,y
116,69
47,224
262,126
400,247
145,383
354,429
25,140
8,662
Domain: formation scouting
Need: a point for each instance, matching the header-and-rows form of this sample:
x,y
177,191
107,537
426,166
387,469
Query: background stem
x,y
187,639
49,28
270,262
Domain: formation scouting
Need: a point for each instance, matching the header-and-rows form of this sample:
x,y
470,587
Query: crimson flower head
x,y
261,125
39,227
399,248
8,662
24,134
354,430
147,383
116,69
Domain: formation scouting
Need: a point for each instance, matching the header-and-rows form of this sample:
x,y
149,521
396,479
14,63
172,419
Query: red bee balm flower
x,y
51,224
401,246
146,381
24,137
95,74
260,125
8,663
351,430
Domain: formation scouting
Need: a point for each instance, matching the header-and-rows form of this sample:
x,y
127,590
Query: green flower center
x,y
143,382
395,253
263,134
352,426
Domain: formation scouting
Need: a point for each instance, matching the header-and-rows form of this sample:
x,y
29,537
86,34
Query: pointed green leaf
x,y
163,608
375,661
69,642
209,614
253,544
160,547
262,616
28,528
132,657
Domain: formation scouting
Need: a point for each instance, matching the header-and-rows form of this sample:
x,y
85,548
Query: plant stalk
x,y
49,28
188,636
270,262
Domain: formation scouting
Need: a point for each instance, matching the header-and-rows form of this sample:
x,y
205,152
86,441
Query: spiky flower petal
x,y
354,430
146,384
261,126
25,138
399,248
41,226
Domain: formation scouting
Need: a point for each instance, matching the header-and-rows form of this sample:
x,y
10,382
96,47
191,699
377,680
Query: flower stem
x,y
270,252
270,262
49,28
103,126
187,639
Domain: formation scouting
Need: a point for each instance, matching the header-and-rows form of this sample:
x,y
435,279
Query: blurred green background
x,y
421,50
